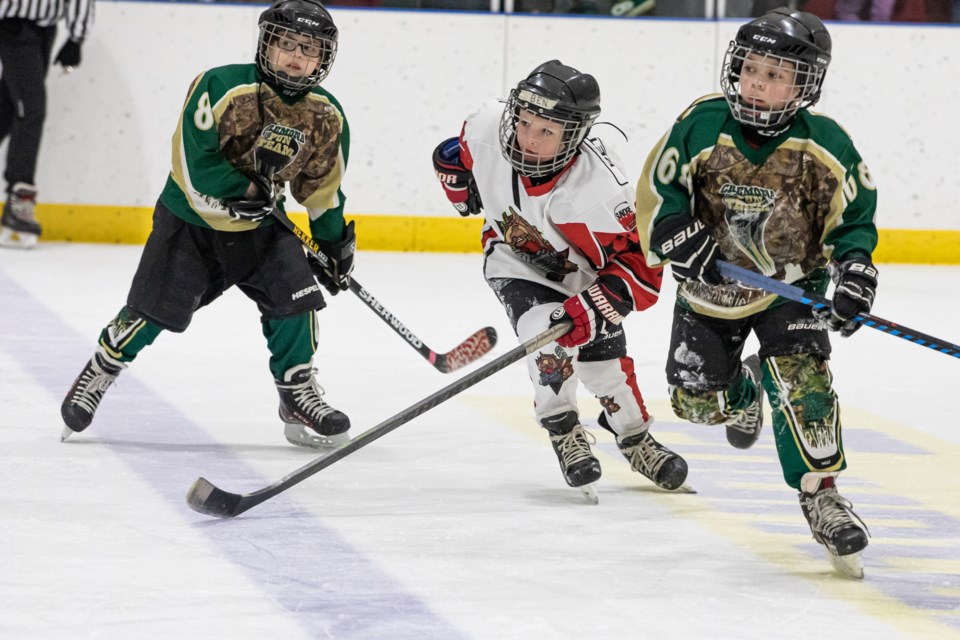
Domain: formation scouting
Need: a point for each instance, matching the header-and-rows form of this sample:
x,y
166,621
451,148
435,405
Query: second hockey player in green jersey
x,y
244,132
753,177
783,204
230,115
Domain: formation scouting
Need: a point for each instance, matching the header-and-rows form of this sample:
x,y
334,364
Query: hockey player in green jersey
x,y
753,177
245,131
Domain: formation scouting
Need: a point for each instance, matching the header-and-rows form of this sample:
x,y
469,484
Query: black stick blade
x,y
206,498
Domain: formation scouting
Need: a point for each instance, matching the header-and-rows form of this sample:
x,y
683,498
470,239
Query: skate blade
x,y
299,435
849,565
17,240
684,488
589,492
66,433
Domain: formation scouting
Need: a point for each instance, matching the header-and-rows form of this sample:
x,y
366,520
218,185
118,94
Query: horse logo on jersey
x,y
748,209
278,146
530,245
554,369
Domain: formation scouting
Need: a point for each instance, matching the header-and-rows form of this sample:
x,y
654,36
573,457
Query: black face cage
x,y
808,81
270,35
575,128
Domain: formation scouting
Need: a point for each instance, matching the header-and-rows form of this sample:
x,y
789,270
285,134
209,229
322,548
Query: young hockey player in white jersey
x,y
213,225
756,179
560,242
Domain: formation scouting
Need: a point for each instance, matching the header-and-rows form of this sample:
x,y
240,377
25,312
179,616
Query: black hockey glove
x,y
256,207
691,249
335,275
604,300
457,180
69,55
856,287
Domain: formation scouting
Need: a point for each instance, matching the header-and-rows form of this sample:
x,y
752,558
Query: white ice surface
x,y
458,524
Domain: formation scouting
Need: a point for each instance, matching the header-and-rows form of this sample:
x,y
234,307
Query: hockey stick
x,y
817,301
204,497
466,352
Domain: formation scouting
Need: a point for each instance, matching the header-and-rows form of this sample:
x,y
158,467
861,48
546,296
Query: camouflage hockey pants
x,y
707,386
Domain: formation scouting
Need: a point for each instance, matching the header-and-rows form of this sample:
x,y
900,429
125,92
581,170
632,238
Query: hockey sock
x,y
806,416
714,407
292,341
127,334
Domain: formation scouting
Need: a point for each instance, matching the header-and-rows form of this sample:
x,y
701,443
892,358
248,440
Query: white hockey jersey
x,y
562,234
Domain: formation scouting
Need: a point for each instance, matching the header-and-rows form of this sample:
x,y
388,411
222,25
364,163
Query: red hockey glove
x,y
589,309
457,180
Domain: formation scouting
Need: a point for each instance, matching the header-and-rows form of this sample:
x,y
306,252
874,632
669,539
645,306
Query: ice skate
x,y
834,524
572,445
87,391
650,458
744,430
18,225
308,420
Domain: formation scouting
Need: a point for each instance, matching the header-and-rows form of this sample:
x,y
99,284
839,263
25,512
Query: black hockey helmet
x,y
286,18
557,93
781,37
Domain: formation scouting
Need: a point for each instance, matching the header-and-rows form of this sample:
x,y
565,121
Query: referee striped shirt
x,y
79,13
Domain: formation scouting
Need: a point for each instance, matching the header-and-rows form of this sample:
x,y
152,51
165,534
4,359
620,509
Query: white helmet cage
x,y
795,41
805,87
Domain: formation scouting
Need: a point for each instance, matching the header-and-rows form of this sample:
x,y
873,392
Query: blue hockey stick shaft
x,y
817,301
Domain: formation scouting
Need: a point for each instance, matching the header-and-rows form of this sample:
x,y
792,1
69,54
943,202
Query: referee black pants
x,y
25,55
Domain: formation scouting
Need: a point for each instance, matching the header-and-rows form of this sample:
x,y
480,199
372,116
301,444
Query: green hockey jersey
x,y
229,111
783,209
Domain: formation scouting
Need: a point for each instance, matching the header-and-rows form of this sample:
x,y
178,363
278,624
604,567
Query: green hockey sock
x,y
292,341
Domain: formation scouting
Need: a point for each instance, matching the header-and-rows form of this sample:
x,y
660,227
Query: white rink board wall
x,y
407,79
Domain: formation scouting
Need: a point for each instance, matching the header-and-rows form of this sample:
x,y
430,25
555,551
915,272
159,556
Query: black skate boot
x,y
743,431
648,457
572,446
310,422
18,226
834,524
84,396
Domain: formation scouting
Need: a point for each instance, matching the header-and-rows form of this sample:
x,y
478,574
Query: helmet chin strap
x,y
758,135
281,77
759,132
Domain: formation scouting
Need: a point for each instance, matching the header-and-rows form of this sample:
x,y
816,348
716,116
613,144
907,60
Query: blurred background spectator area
x,y
936,11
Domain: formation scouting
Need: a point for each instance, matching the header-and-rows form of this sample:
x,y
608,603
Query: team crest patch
x,y
554,369
279,145
608,404
530,245
748,209
626,216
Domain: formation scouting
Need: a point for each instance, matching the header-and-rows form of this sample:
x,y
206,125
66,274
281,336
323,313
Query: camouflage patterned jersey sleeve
x,y
227,114
783,209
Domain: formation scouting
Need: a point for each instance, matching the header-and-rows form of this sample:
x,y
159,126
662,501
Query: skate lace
x,y
91,386
309,398
747,421
646,456
574,447
831,513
